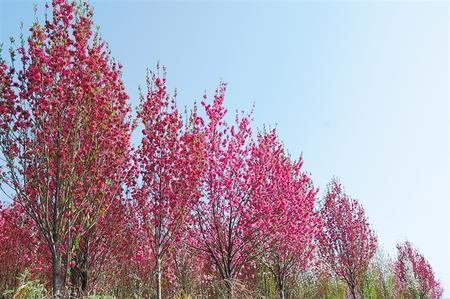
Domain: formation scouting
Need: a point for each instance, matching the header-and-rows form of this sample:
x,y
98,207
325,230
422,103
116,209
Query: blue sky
x,y
361,89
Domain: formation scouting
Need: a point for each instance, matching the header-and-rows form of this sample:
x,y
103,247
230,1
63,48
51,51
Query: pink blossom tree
x,y
228,215
292,223
97,251
347,243
64,131
20,250
414,275
169,162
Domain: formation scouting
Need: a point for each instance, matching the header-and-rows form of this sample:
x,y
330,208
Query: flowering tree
x,y
169,162
64,132
18,247
187,268
97,251
347,242
414,275
228,216
292,223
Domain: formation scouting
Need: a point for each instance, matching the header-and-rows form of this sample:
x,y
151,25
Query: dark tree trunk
x,y
229,288
79,281
229,283
353,291
280,288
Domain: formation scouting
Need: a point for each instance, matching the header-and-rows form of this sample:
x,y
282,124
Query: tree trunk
x,y
84,283
229,282
57,281
280,287
158,277
353,291
229,288
79,281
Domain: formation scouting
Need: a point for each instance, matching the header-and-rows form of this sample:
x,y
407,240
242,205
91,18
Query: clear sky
x,y
361,89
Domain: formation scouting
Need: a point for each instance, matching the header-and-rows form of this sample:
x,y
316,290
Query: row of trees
x,y
199,202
